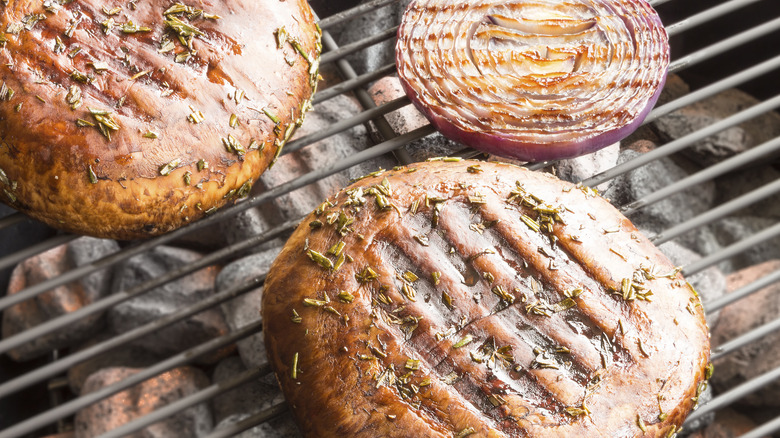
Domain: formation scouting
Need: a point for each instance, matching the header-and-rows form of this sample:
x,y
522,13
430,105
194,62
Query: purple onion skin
x,y
537,150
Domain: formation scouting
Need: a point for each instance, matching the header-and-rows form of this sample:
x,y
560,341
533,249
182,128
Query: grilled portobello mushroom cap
x,y
130,121
480,299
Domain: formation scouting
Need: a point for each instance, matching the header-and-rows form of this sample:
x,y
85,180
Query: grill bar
x,y
708,174
364,99
345,124
725,45
745,339
32,250
73,406
683,142
715,88
249,422
62,365
357,11
707,16
201,396
63,321
764,430
718,212
11,219
341,52
734,249
352,84
744,291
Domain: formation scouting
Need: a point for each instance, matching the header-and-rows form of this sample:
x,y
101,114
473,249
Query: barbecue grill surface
x,y
716,46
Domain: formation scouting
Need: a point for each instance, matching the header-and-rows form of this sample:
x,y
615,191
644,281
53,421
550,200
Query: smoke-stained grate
x,y
720,232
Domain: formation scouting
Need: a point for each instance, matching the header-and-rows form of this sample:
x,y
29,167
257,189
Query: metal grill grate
x,y
717,49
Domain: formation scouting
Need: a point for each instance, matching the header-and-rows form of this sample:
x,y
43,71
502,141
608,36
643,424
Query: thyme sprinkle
x,y
91,174
271,116
320,259
99,65
346,296
6,92
577,411
641,423
108,25
311,302
195,116
131,27
409,276
180,27
295,366
73,98
463,341
281,37
105,122
167,168
31,20
80,77
366,275
466,432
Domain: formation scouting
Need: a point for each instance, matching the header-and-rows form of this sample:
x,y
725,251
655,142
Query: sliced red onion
x,y
533,79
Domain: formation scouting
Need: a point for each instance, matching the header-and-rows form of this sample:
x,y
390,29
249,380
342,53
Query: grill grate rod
x,y
341,52
707,15
344,124
202,396
73,406
62,365
352,84
748,157
724,84
249,422
683,142
719,212
382,125
357,11
18,256
764,430
744,291
11,219
63,321
745,339
734,394
733,249
725,45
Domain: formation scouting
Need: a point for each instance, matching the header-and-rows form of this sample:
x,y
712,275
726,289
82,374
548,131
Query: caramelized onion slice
x,y
533,79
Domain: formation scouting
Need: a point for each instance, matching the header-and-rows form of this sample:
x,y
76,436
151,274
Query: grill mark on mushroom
x,y
554,389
